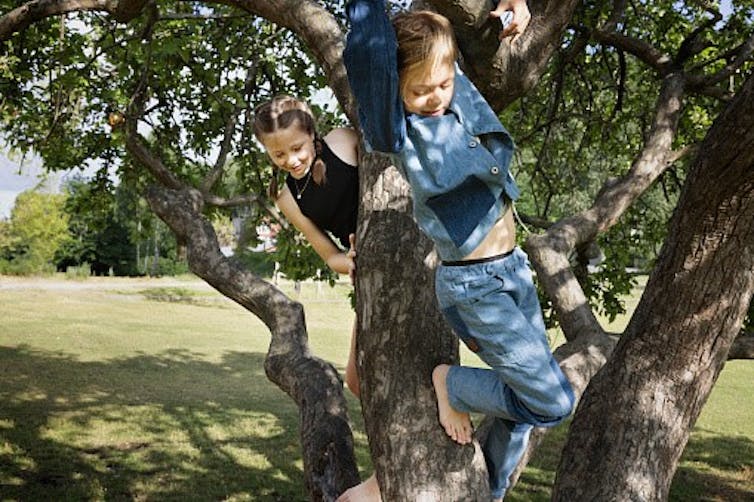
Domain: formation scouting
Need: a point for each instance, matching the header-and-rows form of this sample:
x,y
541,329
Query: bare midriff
x,y
500,239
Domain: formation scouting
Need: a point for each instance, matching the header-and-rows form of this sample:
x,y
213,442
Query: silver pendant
x,y
298,197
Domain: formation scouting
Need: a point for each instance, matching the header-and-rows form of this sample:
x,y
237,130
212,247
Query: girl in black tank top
x,y
333,204
321,193
320,197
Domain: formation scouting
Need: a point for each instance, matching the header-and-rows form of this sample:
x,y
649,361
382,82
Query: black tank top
x,y
333,205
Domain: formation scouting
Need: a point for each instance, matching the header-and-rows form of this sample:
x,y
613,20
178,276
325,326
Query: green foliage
x,y
78,272
587,119
258,262
298,260
195,65
194,68
38,227
7,241
99,233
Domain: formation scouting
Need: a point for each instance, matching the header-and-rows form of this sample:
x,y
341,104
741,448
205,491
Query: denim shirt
x,y
457,164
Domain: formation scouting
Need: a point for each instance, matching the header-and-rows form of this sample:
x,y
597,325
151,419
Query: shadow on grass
x,y
167,427
713,468
707,455
175,426
183,295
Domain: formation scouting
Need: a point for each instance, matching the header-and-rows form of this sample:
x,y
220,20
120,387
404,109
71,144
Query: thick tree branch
x,y
136,147
643,51
550,251
675,345
327,442
505,72
21,17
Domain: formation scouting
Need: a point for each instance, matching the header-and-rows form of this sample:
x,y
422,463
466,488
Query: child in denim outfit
x,y
416,105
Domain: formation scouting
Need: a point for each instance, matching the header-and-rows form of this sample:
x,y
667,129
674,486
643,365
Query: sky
x,y
15,178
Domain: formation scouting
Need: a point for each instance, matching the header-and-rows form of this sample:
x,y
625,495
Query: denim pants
x,y
493,308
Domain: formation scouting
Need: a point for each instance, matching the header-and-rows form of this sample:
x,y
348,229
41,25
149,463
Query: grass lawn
x,y
123,389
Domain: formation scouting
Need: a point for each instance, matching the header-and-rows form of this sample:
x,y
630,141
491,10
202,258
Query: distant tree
x,y
6,239
99,237
38,227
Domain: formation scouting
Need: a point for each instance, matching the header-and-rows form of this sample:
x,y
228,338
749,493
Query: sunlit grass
x,y
155,390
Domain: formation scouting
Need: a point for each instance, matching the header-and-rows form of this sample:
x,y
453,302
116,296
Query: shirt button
x,y
473,143
495,170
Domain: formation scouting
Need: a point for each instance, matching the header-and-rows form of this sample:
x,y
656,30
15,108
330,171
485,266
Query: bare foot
x,y
456,424
368,491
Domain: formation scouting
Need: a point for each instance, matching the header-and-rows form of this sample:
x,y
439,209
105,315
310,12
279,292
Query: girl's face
x,y
428,92
291,149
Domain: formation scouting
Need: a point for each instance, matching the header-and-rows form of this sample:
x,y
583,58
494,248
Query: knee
x,y
562,409
555,410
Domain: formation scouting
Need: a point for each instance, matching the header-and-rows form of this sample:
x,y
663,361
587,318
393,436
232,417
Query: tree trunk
x,y
401,338
637,413
326,439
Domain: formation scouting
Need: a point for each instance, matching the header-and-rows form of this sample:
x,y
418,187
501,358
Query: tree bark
x,y
636,416
401,338
326,439
31,12
505,72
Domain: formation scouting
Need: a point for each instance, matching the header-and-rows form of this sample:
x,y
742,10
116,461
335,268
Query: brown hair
x,y
282,112
425,41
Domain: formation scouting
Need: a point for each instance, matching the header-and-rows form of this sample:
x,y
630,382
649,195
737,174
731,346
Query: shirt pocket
x,y
460,209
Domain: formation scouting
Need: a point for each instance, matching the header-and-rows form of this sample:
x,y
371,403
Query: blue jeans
x,y
493,308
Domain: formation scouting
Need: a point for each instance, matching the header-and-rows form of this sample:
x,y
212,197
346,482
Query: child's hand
x,y
351,255
519,20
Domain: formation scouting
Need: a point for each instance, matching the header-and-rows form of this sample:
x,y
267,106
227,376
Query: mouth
x,y
434,113
299,171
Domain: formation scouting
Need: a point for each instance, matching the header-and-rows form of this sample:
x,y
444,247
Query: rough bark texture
x,y
627,447
25,15
326,439
505,72
402,337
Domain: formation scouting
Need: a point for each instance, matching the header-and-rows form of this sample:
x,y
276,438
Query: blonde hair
x,y
282,112
425,41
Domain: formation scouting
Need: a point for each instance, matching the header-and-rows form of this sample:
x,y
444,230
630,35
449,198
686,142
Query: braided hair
x,y
282,112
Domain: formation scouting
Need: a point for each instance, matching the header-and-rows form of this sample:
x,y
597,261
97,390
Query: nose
x,y
291,161
433,99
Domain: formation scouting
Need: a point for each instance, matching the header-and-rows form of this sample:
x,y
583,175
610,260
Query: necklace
x,y
300,191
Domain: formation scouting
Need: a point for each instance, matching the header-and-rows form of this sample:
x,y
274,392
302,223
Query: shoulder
x,y
285,201
344,144
289,207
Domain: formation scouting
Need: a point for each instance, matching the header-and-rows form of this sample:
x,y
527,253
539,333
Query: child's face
x,y
291,149
428,92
